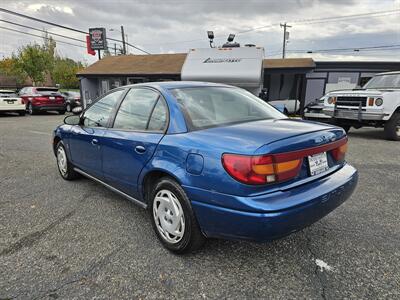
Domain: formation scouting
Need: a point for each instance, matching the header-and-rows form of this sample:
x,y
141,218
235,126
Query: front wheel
x,y
68,107
64,166
392,127
173,218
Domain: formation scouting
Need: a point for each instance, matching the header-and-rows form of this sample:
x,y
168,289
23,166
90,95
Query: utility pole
x,y
285,38
123,40
115,49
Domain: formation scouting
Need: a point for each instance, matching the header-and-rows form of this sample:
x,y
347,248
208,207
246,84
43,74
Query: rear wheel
x,y
30,109
392,127
65,168
173,218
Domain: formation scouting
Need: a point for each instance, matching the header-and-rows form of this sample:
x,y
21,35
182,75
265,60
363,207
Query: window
x,y
384,81
206,107
135,111
98,114
158,120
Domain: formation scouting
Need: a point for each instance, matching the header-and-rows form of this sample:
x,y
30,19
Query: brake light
x,y
272,168
260,169
340,152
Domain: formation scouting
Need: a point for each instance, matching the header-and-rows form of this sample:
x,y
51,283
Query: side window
x,y
22,91
158,119
98,114
136,109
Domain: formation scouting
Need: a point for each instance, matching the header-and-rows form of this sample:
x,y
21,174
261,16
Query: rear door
x,y
138,127
86,140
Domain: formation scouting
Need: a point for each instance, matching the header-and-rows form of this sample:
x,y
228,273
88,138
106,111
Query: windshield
x,y
206,107
389,81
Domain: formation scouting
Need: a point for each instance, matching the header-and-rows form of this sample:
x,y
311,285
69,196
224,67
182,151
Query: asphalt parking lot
x,y
78,240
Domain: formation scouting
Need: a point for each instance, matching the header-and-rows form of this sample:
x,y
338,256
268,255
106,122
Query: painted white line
x,y
323,265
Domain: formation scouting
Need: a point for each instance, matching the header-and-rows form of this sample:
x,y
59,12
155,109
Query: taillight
x,y
272,168
261,169
340,152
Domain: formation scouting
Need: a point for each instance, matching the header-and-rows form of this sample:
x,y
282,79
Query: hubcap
x,y
398,128
68,107
62,160
168,216
30,109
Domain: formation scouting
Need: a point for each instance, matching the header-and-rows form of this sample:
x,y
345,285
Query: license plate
x,y
10,101
52,98
318,163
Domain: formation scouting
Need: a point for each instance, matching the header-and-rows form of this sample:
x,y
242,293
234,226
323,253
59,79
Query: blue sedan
x,y
207,160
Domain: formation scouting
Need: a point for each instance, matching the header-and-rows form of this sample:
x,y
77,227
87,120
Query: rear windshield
x,y
8,94
206,107
47,91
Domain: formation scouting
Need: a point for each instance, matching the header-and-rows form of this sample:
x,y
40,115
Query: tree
x,y
10,67
64,72
34,60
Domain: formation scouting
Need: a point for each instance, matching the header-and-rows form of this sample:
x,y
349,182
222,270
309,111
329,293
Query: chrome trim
x,y
140,203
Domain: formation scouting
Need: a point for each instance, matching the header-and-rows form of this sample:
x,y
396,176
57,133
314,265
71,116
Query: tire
x,y
30,109
346,128
68,107
164,217
22,113
61,112
392,127
65,168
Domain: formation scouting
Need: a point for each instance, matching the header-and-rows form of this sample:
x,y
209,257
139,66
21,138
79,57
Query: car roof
x,y
388,73
178,84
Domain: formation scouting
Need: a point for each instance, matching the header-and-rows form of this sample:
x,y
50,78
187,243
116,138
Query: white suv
x,y
377,104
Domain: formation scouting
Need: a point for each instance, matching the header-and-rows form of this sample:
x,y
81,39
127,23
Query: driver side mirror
x,y
72,120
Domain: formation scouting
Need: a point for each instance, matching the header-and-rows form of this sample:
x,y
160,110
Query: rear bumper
x,y
298,208
12,108
60,107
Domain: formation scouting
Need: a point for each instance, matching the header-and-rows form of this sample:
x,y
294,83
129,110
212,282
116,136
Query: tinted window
x,y
206,107
98,114
135,110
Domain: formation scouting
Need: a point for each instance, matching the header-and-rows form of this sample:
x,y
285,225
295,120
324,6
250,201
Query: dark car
x,y
72,100
207,160
40,99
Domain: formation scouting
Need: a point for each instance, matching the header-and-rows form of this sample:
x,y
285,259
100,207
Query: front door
x,y
130,143
85,142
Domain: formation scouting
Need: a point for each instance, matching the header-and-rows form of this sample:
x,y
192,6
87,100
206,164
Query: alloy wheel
x,y
168,216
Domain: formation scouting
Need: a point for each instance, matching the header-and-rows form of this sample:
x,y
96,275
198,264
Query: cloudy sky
x,y
170,26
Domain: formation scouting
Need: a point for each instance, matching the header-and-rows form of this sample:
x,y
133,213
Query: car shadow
x,y
376,134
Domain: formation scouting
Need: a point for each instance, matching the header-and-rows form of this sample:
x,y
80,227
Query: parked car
x,y
292,106
10,102
377,104
39,99
72,100
314,111
207,160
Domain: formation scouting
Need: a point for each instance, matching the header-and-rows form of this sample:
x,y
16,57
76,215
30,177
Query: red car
x,y
38,99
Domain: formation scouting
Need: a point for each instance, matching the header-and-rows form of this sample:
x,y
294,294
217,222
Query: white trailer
x,y
238,66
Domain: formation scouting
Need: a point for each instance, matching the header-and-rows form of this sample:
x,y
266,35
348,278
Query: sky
x,y
173,26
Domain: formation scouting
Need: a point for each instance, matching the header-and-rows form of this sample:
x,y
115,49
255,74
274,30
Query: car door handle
x,y
94,142
140,149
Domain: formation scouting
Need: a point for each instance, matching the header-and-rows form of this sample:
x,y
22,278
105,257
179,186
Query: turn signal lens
x,y
370,101
340,152
260,169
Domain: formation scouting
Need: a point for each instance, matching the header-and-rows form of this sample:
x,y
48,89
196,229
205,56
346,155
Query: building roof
x,y
169,64
137,64
288,63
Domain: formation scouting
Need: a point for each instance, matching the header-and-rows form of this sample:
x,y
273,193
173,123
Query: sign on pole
x,y
98,39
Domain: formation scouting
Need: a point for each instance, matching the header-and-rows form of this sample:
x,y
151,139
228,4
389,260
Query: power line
x,y
369,48
41,30
36,35
64,27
